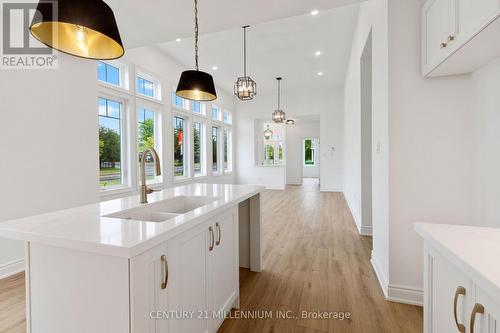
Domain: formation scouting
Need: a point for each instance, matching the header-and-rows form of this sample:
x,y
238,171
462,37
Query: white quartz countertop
x,y
84,228
474,250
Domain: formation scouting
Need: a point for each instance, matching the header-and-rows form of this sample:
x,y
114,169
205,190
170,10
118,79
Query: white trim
x,y
382,280
294,183
11,268
330,189
366,231
405,295
281,188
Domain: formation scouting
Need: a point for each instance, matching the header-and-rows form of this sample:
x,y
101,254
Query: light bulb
x,y
81,38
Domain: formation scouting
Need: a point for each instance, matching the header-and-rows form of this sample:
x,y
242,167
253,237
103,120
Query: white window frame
x,y
186,103
124,76
230,117
229,130
220,165
157,86
203,137
186,137
158,137
125,163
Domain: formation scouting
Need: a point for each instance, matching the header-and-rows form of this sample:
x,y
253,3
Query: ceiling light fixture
x,y
214,68
317,53
196,85
290,122
83,28
178,40
279,115
320,73
245,88
268,133
314,12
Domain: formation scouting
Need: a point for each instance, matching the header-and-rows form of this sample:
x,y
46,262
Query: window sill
x,y
149,99
115,88
117,192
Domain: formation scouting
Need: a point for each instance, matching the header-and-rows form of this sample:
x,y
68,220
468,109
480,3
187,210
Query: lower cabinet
x,y
187,284
453,302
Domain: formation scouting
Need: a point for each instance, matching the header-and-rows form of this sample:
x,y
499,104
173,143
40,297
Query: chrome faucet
x,y
144,189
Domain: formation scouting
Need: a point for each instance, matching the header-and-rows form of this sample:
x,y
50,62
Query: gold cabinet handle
x,y
460,291
443,45
211,247
219,234
478,309
451,38
165,271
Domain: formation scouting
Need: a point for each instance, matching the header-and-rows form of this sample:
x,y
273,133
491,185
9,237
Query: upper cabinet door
x,y
148,274
224,267
438,31
474,15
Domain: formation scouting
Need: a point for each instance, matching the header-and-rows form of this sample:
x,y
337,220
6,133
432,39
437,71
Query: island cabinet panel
x,y
190,282
75,291
148,286
489,321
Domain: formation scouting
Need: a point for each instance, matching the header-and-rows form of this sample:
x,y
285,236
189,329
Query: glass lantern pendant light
x,y
279,115
245,88
83,28
196,85
268,133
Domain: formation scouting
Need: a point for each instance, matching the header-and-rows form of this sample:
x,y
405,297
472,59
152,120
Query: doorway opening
x,y
310,161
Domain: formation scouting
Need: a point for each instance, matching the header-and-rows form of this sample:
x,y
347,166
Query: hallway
x,y
314,260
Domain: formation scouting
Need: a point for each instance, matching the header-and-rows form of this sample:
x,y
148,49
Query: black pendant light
x,y
245,88
279,115
83,28
196,85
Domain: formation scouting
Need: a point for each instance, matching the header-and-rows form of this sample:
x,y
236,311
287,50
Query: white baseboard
x,y
11,268
330,189
365,231
280,188
294,183
382,279
406,295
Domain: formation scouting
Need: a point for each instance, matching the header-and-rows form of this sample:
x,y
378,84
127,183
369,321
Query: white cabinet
x,y
453,302
451,35
190,282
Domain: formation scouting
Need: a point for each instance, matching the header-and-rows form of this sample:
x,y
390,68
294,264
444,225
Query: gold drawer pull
x,y
219,234
165,267
460,291
478,309
443,45
212,239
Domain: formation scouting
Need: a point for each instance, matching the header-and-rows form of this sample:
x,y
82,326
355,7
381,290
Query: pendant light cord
x,y
245,50
196,34
279,93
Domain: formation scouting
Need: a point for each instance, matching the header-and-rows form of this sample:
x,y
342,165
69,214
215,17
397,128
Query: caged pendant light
x,y
196,85
279,115
83,28
245,88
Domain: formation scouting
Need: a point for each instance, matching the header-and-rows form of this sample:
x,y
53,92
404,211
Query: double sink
x,y
165,210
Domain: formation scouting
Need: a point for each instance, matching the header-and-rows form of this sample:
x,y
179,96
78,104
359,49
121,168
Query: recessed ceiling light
x,y
215,68
317,53
320,73
314,12
178,40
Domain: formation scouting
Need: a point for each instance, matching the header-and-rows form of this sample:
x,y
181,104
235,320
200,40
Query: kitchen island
x,y
118,266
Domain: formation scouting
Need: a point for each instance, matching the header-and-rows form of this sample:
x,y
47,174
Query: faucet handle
x,y
150,190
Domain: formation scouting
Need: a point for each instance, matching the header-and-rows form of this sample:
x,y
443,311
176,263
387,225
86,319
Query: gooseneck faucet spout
x,y
144,189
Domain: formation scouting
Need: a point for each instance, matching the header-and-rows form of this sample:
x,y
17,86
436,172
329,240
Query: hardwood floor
x,y
314,260
12,304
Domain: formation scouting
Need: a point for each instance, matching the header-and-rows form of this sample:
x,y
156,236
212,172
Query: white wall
x,y
328,104
486,105
48,144
373,16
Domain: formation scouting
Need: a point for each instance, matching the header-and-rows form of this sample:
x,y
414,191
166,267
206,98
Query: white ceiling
x,y
284,47
147,22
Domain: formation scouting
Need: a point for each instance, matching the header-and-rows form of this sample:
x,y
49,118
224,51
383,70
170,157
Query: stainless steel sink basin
x,y
165,210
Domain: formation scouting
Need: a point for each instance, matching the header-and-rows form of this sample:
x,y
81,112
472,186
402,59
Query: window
x,y
269,154
310,152
198,149
215,113
108,73
215,152
110,143
145,87
179,147
227,150
196,107
227,117
146,131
